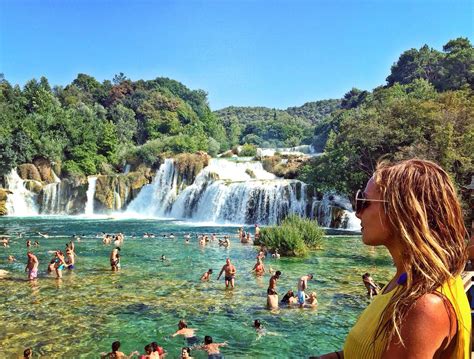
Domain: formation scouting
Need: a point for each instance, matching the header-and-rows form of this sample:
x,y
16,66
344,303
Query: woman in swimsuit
x,y
259,268
412,208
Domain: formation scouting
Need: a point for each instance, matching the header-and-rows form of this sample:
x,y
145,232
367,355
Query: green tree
x,y
125,122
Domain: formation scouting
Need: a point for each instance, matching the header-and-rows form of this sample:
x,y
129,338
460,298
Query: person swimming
x,y
211,348
188,333
116,354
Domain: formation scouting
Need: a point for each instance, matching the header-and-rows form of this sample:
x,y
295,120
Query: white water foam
x,y
21,202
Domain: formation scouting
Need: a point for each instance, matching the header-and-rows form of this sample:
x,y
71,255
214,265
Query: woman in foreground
x,y
411,208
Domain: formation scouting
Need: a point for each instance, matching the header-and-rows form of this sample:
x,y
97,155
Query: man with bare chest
x,y
230,271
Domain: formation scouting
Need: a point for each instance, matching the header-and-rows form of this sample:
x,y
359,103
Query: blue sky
x,y
244,53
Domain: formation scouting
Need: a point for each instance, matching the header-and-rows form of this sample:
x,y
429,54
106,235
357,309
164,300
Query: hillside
x,y
268,127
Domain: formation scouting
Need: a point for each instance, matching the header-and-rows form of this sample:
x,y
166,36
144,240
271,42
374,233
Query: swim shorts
x,y
71,266
215,356
61,267
271,291
229,278
192,340
301,297
32,274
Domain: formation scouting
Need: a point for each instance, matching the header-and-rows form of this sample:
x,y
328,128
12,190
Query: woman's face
x,y
374,222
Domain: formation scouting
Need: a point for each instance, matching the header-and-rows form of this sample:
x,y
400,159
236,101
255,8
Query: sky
x,y
273,53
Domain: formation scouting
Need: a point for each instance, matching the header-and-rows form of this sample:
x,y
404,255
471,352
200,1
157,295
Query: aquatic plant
x,y
294,237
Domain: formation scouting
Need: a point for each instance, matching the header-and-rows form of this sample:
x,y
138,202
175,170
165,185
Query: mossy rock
x,y
227,154
137,180
189,165
57,168
3,201
126,186
104,191
287,168
33,186
337,217
250,173
28,171
44,168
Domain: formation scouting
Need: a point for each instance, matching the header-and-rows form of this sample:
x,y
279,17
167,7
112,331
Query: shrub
x,y
248,150
293,237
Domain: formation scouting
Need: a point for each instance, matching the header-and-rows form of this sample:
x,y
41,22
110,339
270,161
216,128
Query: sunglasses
x,y
361,202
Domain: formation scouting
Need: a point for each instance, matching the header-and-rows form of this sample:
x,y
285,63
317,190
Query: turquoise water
x,y
82,314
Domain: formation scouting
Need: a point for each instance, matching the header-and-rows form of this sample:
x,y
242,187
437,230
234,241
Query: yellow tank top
x,y
359,341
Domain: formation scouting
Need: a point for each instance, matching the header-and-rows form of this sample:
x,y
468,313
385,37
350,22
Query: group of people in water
x,y
424,311
59,262
62,261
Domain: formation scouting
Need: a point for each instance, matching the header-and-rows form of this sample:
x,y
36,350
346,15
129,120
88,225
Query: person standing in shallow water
x,y
302,286
32,266
230,271
272,295
412,208
115,259
206,276
372,287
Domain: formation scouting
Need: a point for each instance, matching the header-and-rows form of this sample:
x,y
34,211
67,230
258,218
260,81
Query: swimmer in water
x,y
188,333
211,348
207,275
116,354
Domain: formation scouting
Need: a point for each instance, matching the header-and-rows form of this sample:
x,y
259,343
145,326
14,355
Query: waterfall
x,y
91,182
117,200
21,202
322,211
231,192
156,198
51,196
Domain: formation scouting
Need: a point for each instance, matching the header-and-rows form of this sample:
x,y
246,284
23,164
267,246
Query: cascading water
x,y
232,192
91,182
157,198
51,196
21,202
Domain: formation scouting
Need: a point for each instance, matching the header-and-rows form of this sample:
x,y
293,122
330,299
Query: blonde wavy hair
x,y
424,213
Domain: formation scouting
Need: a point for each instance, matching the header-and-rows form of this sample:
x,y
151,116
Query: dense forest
x,y
425,110
88,127
265,127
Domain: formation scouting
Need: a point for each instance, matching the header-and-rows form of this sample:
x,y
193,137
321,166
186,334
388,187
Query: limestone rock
x,y
3,201
284,166
115,192
33,186
70,196
44,168
189,165
28,171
